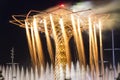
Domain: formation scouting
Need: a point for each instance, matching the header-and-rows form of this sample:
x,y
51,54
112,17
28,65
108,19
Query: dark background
x,y
14,36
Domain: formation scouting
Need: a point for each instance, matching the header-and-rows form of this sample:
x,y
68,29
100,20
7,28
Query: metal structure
x,y
59,23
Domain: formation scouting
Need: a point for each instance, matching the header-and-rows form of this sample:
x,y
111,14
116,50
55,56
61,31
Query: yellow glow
x,y
81,42
93,48
77,41
96,51
90,44
66,42
53,29
38,44
48,42
29,41
101,48
34,47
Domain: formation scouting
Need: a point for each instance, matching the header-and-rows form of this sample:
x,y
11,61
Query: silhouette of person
x,y
1,76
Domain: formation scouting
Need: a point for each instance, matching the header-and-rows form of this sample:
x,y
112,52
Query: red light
x,y
62,5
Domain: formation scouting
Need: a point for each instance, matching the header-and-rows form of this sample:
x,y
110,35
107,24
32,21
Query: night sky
x,y
14,36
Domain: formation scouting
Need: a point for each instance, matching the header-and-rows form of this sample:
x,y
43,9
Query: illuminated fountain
x,y
77,73
61,24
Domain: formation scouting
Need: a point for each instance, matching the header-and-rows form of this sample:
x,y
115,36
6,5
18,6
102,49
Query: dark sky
x,y
14,36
